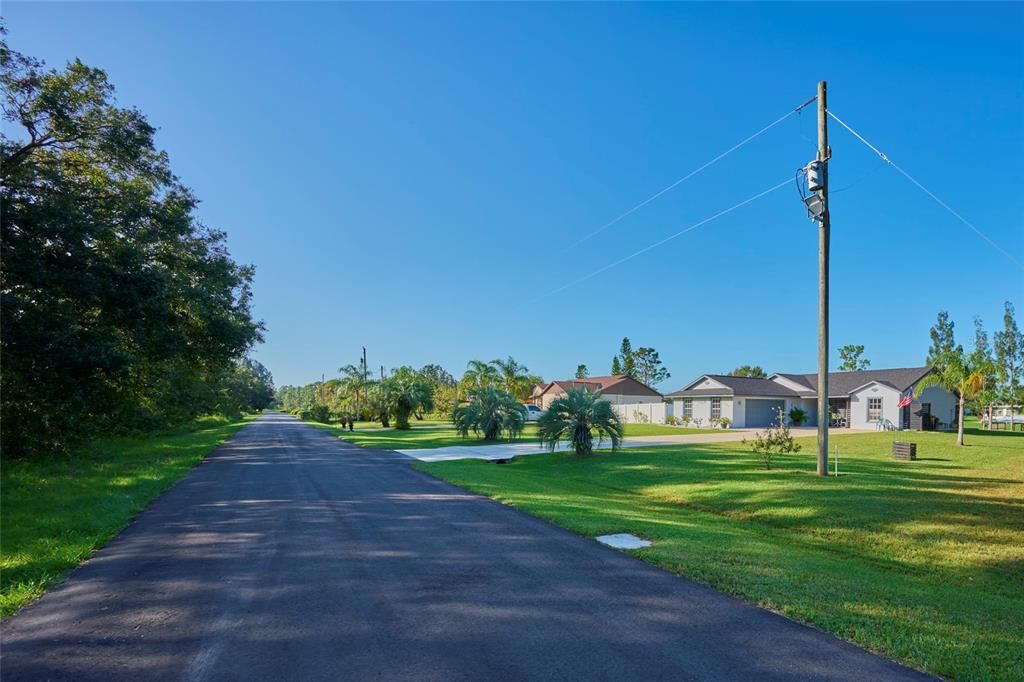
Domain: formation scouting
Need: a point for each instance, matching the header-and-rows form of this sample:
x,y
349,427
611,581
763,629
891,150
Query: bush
x,y
640,418
316,413
671,420
797,416
725,422
776,440
577,416
490,411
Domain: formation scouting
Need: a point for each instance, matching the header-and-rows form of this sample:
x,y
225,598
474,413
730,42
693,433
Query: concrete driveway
x,y
291,555
508,450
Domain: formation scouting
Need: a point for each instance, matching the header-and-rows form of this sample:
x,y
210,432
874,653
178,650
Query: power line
x,y
669,238
927,191
689,175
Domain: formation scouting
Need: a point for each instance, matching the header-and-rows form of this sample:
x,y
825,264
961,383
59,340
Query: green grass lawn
x,y
56,511
439,434
662,430
921,561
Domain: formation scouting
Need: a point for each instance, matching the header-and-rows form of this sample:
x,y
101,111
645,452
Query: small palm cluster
x,y
578,416
403,395
490,411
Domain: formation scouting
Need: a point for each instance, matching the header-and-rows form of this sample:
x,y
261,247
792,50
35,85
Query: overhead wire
x,y
689,175
662,241
927,191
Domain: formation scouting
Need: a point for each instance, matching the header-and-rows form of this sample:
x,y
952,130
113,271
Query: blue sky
x,y
408,177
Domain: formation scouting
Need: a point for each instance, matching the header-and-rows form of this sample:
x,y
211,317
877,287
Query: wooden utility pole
x,y
823,252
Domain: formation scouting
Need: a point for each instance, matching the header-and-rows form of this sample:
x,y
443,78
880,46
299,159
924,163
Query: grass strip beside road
x,y
57,511
922,561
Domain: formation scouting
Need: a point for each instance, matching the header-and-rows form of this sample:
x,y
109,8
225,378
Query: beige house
x,y
618,389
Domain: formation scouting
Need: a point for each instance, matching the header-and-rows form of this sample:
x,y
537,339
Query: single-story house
x,y
617,389
858,399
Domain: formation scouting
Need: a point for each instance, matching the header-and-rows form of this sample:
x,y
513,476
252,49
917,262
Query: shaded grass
x,y
922,561
57,510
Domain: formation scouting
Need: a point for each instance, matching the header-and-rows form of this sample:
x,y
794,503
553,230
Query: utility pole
x,y
823,252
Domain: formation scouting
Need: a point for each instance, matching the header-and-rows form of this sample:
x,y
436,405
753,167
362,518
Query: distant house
x,y
617,389
856,399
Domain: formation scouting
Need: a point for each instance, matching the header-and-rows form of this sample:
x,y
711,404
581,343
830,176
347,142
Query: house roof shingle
x,y
616,384
739,386
840,384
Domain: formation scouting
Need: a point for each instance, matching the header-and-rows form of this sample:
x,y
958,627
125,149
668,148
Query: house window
x,y
688,408
874,409
716,408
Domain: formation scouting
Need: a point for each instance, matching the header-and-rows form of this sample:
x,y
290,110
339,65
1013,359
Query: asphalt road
x,y
290,555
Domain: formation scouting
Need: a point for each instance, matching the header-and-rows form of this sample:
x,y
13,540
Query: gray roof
x,y
840,384
739,386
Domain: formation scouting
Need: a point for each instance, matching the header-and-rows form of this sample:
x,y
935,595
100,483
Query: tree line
x,y
987,374
406,393
120,311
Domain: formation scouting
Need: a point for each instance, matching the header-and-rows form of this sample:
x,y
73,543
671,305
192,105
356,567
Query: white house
x,y
860,399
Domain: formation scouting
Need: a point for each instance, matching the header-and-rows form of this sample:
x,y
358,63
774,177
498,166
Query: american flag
x,y
906,399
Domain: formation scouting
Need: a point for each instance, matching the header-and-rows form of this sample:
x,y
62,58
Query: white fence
x,y
643,413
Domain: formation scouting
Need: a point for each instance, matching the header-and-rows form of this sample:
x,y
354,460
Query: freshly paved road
x,y
290,555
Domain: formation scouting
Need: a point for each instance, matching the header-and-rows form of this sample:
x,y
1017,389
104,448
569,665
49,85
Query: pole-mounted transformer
x,y
815,189
813,170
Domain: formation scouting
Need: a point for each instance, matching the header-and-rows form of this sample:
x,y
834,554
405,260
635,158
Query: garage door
x,y
763,412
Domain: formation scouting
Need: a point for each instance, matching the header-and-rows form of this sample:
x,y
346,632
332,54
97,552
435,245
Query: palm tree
x,y
480,374
355,381
577,416
953,371
490,411
515,378
402,395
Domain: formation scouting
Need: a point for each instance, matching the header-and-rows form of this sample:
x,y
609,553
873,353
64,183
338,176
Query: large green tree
x,y
1008,344
480,374
981,358
627,358
514,378
649,369
954,371
851,359
942,338
753,371
119,310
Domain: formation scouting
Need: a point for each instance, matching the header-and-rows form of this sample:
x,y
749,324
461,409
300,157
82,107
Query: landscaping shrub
x,y
490,411
316,413
578,415
776,440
